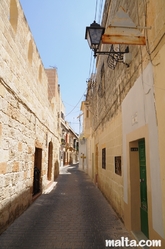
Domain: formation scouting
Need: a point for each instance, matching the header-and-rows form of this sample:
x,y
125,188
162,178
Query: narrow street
x,y
73,215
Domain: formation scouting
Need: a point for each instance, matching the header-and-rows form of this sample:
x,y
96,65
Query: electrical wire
x,y
148,49
141,67
96,9
68,104
76,104
94,66
90,64
100,11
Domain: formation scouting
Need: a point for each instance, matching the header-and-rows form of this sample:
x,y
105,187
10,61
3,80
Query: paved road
x,y
74,215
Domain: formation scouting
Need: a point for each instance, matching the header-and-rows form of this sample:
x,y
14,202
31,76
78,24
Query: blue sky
x,y
58,28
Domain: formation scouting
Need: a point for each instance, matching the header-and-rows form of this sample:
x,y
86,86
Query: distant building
x,y
69,145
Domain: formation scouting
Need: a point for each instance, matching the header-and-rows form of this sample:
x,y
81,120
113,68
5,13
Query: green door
x,y
143,188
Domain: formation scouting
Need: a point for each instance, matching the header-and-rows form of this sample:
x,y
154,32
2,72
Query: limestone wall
x,y
110,181
27,118
106,95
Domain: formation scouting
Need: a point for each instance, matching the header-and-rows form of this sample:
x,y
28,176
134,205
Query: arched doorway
x,y
50,158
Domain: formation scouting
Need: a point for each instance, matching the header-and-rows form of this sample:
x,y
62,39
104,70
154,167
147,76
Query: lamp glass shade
x,y
94,34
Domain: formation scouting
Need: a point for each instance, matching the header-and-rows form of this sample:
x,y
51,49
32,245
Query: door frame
x,y
135,198
37,171
96,162
143,187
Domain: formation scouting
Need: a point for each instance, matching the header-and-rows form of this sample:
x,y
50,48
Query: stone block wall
x,y
109,181
27,118
53,82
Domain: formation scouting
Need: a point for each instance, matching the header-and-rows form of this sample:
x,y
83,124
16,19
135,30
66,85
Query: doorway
x,y
37,171
96,163
92,166
50,158
143,188
138,193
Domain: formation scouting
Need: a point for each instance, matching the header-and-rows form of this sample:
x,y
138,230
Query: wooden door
x,y
143,188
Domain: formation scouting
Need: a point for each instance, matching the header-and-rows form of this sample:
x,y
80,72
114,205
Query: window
x,y
87,113
50,161
62,115
118,165
104,158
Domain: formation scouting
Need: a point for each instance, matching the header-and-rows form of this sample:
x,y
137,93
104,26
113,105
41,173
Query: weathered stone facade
x,y
69,144
29,134
126,106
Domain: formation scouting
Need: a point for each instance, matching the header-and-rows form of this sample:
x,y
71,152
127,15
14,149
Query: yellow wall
x,y
110,137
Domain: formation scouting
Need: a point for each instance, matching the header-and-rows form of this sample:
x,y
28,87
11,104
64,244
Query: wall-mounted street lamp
x,y
93,35
121,30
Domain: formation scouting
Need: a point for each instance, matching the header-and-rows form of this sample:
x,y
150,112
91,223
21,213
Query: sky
x,y
58,28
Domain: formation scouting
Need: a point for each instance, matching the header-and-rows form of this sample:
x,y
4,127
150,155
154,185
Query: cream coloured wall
x,y
159,88
111,184
138,110
83,153
90,158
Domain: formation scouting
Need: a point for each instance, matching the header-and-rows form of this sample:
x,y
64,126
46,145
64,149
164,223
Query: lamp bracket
x,y
110,52
107,53
130,27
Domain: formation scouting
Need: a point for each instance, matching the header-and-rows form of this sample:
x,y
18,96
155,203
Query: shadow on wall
x,y
14,208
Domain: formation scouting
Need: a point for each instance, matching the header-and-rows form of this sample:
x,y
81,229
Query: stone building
x,y
124,117
29,111
69,144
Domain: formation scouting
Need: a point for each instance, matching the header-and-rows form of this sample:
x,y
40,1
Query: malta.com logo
x,y
125,242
